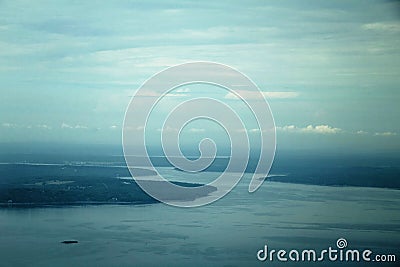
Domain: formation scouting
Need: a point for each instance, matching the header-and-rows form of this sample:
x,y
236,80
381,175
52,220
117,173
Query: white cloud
x,y
383,26
318,129
182,90
287,128
174,95
80,126
252,130
280,94
324,129
9,125
255,130
252,95
43,126
66,126
197,130
149,93
385,134
168,129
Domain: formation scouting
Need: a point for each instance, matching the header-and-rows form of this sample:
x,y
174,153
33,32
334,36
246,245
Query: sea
x,y
228,232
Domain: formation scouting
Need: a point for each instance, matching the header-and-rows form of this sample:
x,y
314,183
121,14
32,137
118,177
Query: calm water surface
x,y
228,232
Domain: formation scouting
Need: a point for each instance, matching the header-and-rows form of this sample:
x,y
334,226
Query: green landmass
x,y
22,185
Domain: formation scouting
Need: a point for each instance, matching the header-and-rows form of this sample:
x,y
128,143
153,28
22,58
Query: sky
x,y
328,69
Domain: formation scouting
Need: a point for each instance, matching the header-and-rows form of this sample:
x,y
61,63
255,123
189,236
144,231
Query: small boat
x,y
69,241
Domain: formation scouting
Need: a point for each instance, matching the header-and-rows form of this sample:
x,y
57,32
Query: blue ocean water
x,y
228,232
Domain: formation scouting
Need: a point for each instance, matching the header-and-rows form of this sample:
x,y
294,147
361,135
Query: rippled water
x,y
228,232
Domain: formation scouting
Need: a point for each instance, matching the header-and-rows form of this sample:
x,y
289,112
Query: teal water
x,y
228,232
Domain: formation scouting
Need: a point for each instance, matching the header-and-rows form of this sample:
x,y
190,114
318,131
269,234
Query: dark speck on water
x,y
69,242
